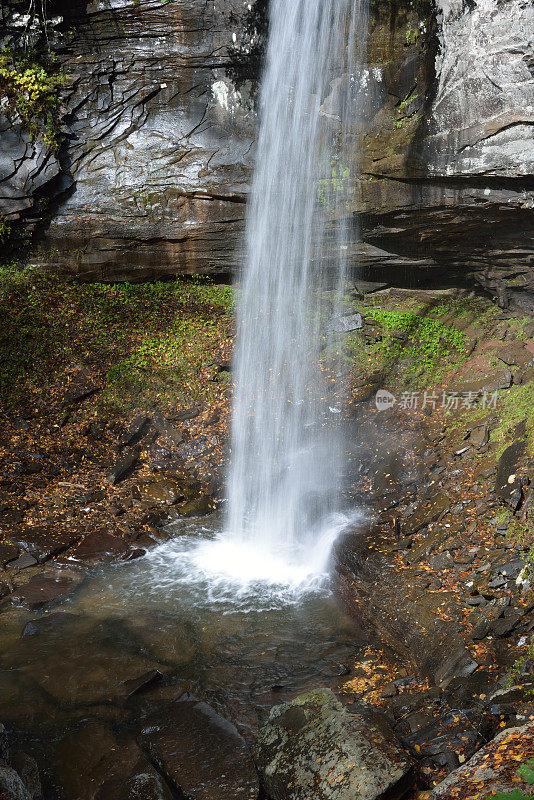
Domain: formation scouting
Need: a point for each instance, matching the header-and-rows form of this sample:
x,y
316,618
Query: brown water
x,y
240,647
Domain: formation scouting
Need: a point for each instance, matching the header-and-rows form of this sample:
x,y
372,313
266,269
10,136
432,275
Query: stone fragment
x,y
508,482
123,466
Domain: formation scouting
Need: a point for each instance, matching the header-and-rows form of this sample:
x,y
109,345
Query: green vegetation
x,y
422,339
31,88
515,405
329,187
145,343
525,771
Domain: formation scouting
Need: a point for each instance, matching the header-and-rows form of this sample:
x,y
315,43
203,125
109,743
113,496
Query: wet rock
x,y
136,430
146,784
76,672
124,465
27,768
44,541
136,685
313,747
23,562
479,376
99,544
196,508
201,752
508,482
11,785
42,590
94,765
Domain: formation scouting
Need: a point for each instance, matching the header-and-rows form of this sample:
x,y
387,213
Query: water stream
x,y
285,476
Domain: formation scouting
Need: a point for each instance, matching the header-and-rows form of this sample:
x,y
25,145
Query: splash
x,y
287,448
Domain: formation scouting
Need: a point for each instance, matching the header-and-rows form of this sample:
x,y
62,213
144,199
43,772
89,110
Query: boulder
x,y
201,752
313,747
99,544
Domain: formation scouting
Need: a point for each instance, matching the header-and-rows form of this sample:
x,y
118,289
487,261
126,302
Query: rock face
x,y
157,160
159,117
313,747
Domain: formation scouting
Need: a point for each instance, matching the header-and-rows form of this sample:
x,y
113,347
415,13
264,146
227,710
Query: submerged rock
x,y
313,747
201,752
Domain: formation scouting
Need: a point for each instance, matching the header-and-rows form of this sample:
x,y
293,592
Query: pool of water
x,y
194,615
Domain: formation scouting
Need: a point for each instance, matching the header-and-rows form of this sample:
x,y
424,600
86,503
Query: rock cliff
x,y
159,121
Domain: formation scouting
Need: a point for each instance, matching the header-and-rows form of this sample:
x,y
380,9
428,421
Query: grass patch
x,y
146,343
420,337
515,405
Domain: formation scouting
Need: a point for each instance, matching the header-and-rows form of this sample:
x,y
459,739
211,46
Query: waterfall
x,y
284,481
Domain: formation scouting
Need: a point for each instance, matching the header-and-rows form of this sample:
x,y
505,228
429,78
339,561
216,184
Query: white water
x,y
285,476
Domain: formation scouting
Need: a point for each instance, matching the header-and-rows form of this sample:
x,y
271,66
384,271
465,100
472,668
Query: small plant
x,y
525,771
32,92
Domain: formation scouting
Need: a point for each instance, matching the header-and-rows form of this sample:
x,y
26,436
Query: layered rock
x,y
160,118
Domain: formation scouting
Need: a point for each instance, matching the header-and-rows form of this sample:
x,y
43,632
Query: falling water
x,y
284,480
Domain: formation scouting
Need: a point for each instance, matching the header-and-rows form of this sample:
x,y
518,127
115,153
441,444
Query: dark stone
x,y
508,482
505,625
458,665
140,684
23,562
168,431
80,388
92,764
201,752
491,614
124,465
479,436
42,590
99,544
27,768
184,416
136,430
428,511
